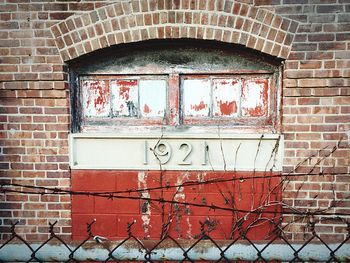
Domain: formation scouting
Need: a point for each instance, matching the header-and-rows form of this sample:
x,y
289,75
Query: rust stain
x,y
199,106
228,108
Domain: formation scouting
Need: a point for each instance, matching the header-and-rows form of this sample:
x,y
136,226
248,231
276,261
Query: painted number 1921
x,y
163,152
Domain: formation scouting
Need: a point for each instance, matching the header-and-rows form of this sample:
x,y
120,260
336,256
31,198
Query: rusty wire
x,y
276,231
6,187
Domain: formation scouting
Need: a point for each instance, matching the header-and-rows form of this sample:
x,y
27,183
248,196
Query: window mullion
x,y
174,99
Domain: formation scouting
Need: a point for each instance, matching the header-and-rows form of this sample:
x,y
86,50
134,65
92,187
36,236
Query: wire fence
x,y
277,244
96,248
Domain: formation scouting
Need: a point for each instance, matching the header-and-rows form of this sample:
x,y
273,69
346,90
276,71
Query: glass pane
x,y
124,98
196,97
96,98
255,98
153,98
226,93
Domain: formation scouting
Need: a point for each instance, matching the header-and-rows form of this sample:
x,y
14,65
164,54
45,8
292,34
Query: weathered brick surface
x,y
37,37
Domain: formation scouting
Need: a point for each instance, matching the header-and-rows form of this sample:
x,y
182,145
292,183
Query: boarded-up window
x,y
255,98
126,97
209,99
96,98
231,99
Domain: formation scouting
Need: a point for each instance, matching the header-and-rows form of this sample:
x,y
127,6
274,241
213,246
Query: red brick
x,y
337,119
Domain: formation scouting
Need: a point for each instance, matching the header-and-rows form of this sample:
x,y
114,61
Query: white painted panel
x,y
255,98
196,97
95,98
124,97
176,152
152,97
226,97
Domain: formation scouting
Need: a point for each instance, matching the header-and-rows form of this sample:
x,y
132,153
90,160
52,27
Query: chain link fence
x,y
95,248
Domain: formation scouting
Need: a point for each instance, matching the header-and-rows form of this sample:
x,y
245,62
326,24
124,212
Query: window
x,y
199,99
131,99
226,100
175,87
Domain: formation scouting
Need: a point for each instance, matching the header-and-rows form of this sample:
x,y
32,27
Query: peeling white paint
x,y
180,194
252,95
196,97
124,97
226,93
152,98
146,216
96,98
253,101
189,228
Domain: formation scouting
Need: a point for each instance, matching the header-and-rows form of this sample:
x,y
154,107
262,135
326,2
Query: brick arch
x,y
132,21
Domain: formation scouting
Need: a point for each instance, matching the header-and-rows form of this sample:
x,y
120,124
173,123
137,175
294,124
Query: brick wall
x,y
316,104
35,101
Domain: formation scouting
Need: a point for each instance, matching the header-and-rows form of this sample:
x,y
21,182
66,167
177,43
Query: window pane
x,y
124,98
152,98
196,97
255,98
226,93
96,98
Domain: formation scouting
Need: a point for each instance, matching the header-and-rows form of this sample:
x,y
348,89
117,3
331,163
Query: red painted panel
x,y
245,194
105,225
82,204
94,180
116,206
140,229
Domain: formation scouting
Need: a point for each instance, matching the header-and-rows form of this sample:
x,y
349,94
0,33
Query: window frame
x,y
174,114
122,120
236,121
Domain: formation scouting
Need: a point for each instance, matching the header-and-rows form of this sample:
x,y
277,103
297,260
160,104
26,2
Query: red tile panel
x,y
183,206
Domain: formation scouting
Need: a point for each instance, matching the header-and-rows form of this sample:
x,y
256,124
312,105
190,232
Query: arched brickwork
x,y
138,20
